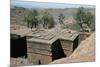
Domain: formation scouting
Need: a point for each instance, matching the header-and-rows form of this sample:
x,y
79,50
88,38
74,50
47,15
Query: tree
x,y
35,18
80,16
28,19
83,17
89,19
32,19
48,20
61,19
92,26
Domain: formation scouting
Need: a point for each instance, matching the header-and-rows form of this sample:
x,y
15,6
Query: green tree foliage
x,y
47,20
89,19
61,18
32,19
80,16
92,26
83,17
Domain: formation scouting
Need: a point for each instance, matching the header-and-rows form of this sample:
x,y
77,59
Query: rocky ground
x,y
19,62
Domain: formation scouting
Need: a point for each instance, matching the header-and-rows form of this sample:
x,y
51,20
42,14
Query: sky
x,y
34,4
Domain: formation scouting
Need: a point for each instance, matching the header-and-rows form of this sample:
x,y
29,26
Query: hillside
x,y
19,13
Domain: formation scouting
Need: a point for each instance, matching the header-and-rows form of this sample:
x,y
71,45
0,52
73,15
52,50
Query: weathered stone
x,y
40,43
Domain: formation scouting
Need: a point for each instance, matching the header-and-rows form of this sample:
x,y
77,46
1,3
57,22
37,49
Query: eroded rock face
x,y
84,53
